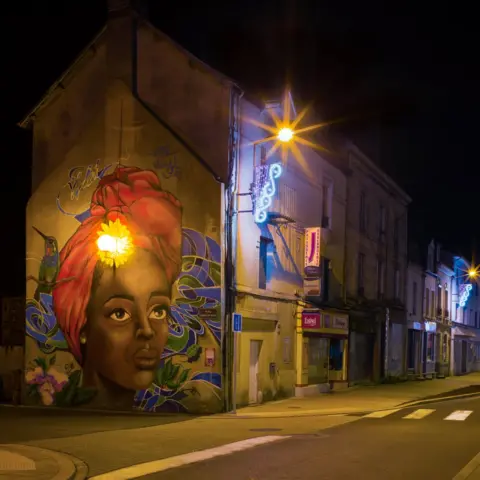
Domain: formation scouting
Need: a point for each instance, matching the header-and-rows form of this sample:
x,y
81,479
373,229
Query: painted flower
x,y
48,382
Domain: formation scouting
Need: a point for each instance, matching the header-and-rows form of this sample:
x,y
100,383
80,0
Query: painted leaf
x,y
172,384
41,363
184,375
64,397
53,359
159,377
74,378
160,401
215,272
175,370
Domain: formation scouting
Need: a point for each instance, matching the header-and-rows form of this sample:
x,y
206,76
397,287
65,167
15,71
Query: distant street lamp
x,y
473,273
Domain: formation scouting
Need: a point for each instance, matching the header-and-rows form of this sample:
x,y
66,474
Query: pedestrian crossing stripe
x,y
457,415
419,414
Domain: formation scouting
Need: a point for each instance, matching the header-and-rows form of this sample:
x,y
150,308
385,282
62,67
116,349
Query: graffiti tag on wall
x,y
166,162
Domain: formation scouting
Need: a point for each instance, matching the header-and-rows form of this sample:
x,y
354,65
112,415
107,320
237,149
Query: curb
x,y
440,399
69,467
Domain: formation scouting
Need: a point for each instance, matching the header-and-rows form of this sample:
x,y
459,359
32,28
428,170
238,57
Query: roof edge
x,y
27,120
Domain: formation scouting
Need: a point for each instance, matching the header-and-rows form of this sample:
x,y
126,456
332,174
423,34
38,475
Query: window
x,y
289,241
445,302
327,194
430,345
380,278
396,234
264,264
432,304
397,284
382,223
361,272
439,300
427,302
414,298
363,212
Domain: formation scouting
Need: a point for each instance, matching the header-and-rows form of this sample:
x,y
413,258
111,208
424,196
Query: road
x,y
393,447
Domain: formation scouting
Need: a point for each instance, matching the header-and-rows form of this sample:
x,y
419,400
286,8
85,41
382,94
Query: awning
x,y
465,332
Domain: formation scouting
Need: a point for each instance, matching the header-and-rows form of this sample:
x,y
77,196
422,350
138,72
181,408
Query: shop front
x,y
323,341
414,348
466,342
429,341
442,350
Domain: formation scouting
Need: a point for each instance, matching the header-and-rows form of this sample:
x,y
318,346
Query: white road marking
x,y
419,414
148,468
459,415
470,470
381,413
10,461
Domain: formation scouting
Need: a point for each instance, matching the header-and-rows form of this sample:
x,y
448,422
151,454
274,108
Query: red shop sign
x,y
310,320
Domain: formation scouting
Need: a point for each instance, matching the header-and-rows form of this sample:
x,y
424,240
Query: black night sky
x,y
403,78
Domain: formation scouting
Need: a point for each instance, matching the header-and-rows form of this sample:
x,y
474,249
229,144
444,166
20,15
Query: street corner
x,y
23,461
472,391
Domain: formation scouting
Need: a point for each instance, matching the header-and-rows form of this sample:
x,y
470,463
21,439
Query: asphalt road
x,y
392,447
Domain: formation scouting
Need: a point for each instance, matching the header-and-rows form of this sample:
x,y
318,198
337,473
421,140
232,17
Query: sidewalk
x,y
25,462
361,398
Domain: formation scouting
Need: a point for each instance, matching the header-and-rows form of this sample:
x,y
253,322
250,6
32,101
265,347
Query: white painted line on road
x,y
469,469
10,461
459,415
419,414
381,413
148,468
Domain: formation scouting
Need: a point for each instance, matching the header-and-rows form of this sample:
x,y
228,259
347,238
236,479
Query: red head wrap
x,y
153,217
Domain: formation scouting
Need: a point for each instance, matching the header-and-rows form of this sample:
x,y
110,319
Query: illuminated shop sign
x,y
312,247
311,320
465,290
264,189
430,327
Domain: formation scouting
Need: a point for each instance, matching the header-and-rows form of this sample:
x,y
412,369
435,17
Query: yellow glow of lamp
x,y
472,273
285,134
114,243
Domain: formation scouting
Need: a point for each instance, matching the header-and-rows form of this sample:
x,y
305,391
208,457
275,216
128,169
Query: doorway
x,y
464,356
255,347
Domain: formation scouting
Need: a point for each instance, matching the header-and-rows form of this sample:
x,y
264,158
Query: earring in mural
x,y
83,339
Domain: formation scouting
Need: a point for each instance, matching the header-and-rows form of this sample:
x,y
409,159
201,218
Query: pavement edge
x,y
69,467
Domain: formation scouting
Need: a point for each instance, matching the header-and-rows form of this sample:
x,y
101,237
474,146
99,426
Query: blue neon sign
x,y
465,293
266,188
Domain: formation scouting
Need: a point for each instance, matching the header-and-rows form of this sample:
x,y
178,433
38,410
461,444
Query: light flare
x,y
114,243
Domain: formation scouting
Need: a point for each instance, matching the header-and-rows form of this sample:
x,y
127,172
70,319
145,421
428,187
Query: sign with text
x,y
237,322
312,247
207,312
338,322
312,286
430,327
311,320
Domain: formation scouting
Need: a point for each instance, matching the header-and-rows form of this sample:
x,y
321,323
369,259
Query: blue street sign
x,y
237,322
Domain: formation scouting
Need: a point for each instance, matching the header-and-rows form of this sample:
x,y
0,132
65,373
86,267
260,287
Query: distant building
x,y
376,270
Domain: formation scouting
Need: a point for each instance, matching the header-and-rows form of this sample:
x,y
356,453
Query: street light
x,y
285,134
472,273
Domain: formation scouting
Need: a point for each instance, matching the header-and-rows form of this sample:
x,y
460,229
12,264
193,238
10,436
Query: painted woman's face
x,y
127,327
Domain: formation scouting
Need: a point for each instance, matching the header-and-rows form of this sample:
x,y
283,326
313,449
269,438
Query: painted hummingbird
x,y
49,267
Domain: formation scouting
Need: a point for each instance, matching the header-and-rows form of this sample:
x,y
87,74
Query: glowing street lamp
x,y
472,273
285,134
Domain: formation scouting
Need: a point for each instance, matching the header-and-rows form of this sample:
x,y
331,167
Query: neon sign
x,y
265,189
465,290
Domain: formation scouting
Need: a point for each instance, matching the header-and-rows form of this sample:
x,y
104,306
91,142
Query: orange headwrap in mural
x,y
153,217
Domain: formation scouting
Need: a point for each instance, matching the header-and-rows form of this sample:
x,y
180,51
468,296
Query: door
x,y
464,357
411,349
255,346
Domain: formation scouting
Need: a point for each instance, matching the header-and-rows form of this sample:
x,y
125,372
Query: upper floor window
x,y
363,212
382,223
414,298
380,278
397,284
327,199
427,302
445,302
361,272
264,264
396,235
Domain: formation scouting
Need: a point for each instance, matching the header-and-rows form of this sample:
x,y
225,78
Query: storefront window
x,y
318,359
430,345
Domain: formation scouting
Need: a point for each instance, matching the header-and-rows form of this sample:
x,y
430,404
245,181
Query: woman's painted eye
x,y
120,315
159,313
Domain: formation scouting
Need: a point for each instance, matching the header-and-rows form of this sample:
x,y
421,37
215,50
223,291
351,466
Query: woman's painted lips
x,y
146,359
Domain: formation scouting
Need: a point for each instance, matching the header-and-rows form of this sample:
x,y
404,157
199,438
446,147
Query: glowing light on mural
x,y
465,294
114,243
285,134
265,189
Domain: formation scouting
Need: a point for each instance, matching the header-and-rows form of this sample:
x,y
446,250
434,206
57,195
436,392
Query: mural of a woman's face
x,y
127,329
